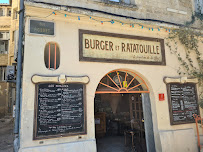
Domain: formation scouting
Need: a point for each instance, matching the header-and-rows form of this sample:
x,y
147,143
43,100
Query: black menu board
x,y
59,110
182,103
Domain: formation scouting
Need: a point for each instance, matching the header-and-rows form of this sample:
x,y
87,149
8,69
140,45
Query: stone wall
x,y
174,11
3,59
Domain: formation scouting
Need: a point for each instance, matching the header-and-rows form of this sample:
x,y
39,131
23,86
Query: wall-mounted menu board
x,y
60,110
182,102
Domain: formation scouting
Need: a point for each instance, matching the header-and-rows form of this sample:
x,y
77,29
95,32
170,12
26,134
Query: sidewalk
x,y
6,134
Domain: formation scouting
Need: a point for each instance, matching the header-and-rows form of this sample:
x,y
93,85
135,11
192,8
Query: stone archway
x,y
128,82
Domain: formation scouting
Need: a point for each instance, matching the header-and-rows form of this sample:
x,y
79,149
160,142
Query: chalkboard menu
x,y
41,27
182,102
59,110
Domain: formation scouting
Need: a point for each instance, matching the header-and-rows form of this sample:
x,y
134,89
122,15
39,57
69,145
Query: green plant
x,y
190,39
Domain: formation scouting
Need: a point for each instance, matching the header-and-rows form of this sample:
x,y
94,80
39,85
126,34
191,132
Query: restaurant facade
x,y
89,76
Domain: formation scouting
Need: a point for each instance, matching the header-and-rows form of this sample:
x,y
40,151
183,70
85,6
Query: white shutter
x,y
7,35
4,12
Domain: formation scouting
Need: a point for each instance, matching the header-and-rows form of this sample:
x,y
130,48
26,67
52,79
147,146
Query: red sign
x,y
161,97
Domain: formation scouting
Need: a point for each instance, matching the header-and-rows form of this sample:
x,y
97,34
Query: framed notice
x,y
60,110
183,102
119,48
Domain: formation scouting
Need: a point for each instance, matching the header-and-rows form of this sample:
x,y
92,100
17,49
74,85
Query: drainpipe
x,y
19,78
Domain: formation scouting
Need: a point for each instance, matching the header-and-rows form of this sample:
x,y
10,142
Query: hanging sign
x,y
110,47
42,27
10,73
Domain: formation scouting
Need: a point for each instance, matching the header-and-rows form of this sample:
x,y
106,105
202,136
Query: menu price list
x,y
60,109
183,102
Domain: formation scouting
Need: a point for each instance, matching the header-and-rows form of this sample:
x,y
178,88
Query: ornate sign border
x,y
61,79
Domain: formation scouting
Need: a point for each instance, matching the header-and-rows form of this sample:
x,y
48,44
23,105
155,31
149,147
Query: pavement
x,y
6,134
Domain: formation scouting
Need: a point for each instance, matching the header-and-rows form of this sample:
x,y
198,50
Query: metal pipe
x,y
19,74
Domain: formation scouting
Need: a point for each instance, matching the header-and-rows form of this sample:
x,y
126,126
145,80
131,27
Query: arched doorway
x,y
119,117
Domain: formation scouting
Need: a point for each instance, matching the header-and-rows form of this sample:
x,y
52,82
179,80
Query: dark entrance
x,y
119,123
121,103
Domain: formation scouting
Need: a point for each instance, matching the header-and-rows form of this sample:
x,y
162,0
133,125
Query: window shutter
x,y
4,12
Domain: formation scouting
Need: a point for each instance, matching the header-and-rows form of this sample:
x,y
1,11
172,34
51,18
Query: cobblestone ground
x,y
6,135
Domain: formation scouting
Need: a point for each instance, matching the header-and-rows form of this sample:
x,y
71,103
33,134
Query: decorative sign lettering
x,y
59,110
109,47
41,27
182,102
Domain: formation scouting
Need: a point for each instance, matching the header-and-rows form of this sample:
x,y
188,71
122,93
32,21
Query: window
x,y
9,12
128,2
114,0
4,47
15,14
2,12
4,36
2,73
199,6
13,36
52,56
4,42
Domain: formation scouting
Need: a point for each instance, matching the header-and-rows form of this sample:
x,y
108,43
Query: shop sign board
x,y
10,72
42,27
119,48
183,102
59,110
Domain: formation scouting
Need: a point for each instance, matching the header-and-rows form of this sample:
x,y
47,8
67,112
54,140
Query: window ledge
x,y
116,4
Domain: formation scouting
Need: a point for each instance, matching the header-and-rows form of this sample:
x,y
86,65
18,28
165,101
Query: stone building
x,y
99,72
8,26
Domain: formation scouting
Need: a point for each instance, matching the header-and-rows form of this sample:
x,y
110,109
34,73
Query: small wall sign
x,y
42,27
161,97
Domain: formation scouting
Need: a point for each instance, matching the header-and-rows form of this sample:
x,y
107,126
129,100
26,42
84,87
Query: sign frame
x,y
170,104
42,21
92,59
35,137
